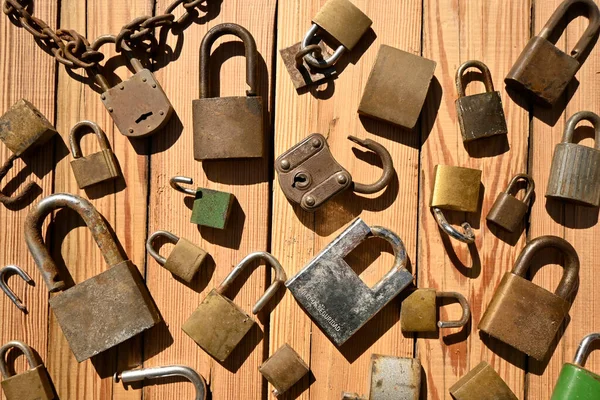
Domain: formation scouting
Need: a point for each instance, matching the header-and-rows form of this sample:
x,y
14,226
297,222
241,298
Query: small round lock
x,y
508,211
25,349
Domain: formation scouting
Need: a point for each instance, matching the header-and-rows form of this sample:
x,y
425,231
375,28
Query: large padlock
x,y
185,258
482,383
575,170
524,315
508,211
218,325
33,384
283,369
419,311
576,382
543,71
479,115
104,310
228,127
334,296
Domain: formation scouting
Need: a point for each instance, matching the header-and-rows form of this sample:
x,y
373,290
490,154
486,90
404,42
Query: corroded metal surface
x,y
394,378
33,384
345,22
301,73
283,369
481,383
508,212
185,258
23,126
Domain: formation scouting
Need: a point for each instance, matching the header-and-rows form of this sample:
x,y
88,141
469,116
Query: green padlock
x,y
575,382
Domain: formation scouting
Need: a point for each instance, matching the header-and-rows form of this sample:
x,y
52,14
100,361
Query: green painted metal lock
x,y
576,382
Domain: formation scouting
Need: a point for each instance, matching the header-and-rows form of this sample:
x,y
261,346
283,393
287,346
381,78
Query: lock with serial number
x,y
419,311
283,369
482,383
508,211
576,382
185,258
33,384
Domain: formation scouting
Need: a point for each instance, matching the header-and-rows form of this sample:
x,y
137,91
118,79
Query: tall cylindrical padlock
x,y
575,170
33,384
575,382
185,258
508,211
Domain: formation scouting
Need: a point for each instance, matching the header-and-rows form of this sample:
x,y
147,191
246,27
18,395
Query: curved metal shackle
x,y
485,71
251,56
175,184
14,270
11,200
25,349
575,119
77,132
530,186
138,375
583,351
271,261
172,238
102,40
400,258
464,304
319,63
311,48
92,218
386,160
467,236
570,277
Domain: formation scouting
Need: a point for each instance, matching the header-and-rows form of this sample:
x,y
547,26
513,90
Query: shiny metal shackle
x,y
583,351
175,184
485,71
464,304
310,59
15,199
388,166
575,119
171,238
138,375
76,133
25,349
467,236
14,270
530,186
400,258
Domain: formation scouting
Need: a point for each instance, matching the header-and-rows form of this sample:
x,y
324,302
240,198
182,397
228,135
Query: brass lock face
x,y
33,384
482,383
23,127
345,22
576,382
419,311
508,211
185,258
283,369
455,188
301,72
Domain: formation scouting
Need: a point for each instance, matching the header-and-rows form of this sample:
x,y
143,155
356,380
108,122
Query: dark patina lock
x,y
419,311
508,211
185,258
482,383
576,382
33,384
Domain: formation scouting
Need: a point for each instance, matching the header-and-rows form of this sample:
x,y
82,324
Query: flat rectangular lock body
x,y
345,22
482,383
212,208
394,378
283,369
23,127
33,384
455,188
575,382
419,311
508,212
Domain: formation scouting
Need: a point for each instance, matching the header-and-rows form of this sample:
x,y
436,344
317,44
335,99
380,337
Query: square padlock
x,y
481,383
455,188
24,126
212,208
283,369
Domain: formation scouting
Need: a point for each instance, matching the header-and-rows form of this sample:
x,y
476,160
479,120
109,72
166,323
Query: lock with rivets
x,y
576,382
419,311
508,211
283,369
482,383
33,384
184,260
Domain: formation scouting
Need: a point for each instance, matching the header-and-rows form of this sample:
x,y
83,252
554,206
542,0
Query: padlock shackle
x,y
138,375
78,131
464,304
171,238
175,184
388,166
14,270
310,59
467,236
25,349
485,71
250,51
100,41
10,201
530,186
92,218
584,349
575,119
400,258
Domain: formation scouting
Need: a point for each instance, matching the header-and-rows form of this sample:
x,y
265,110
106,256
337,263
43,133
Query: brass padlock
x,y
482,383
228,127
104,310
508,211
524,315
479,115
33,384
543,71
97,167
576,382
218,325
575,170
419,311
283,369
309,175
139,375
185,258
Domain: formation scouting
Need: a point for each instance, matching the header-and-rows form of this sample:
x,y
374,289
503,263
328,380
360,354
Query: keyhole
x,y
301,180
143,117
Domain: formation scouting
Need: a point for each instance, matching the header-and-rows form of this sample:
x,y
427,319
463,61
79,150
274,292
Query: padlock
x,y
33,384
228,127
575,170
185,258
337,300
455,189
104,310
218,325
97,167
309,175
524,315
419,311
479,115
543,71
482,383
397,87
283,369
576,382
139,375
508,211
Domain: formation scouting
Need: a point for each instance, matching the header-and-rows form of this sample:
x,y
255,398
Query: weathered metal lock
x,y
338,301
185,258
228,127
139,375
524,315
14,270
283,369
508,211
455,189
543,71
576,382
482,383
479,115
218,325
419,311
309,175
97,167
575,170
102,311
33,384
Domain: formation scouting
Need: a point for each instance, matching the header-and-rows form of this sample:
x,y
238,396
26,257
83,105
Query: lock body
x,y
508,212
33,384
395,378
95,168
575,382
212,208
482,383
185,260
418,312
23,126
283,369
345,22
480,116
455,188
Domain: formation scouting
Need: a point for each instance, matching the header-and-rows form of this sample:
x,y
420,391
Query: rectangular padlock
x,y
455,188
212,208
576,382
23,126
482,383
345,22
185,258
508,211
33,384
419,311
283,369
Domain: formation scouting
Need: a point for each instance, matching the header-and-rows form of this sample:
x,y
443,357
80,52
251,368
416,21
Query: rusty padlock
x,y
508,211
33,384
309,175
419,311
104,310
185,258
479,115
228,127
524,315
575,170
139,375
218,325
283,369
543,71
482,383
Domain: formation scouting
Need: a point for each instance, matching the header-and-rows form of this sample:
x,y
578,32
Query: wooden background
x,y
447,31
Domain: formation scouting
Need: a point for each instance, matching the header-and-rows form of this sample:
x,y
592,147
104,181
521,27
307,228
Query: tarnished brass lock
x,y
139,375
508,211
337,300
33,384
104,310
228,127
479,115
97,167
482,383
218,325
185,258
543,71
419,311
309,175
283,369
575,170
576,382
524,315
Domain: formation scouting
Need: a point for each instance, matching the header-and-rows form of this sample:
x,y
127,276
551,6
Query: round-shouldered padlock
x,y
508,211
31,384
184,260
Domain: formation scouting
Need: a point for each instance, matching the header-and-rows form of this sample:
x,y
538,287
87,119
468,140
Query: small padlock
x,y
104,310
575,170
543,71
419,311
576,382
283,369
334,296
218,325
482,383
524,315
309,175
33,384
140,375
508,211
185,258
97,167
479,115
228,127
